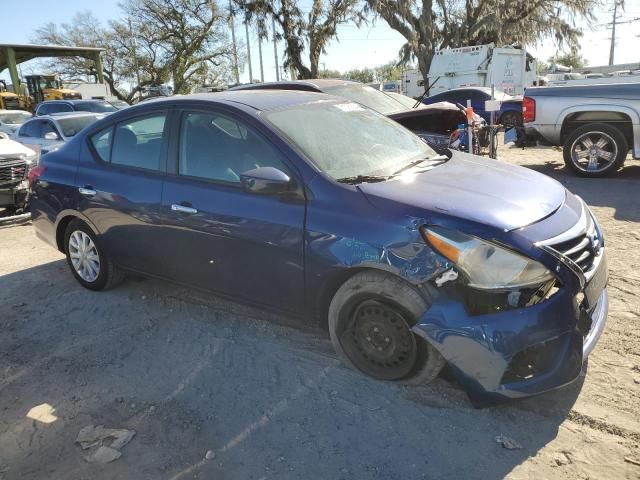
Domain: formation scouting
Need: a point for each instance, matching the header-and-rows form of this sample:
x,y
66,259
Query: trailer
x,y
509,69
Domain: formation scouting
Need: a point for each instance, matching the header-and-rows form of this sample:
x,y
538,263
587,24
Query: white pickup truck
x,y
597,125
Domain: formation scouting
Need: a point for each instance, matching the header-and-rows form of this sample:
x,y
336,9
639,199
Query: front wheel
x,y
595,150
89,264
370,320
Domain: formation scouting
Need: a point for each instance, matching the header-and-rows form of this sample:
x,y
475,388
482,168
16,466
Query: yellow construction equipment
x,y
49,87
12,101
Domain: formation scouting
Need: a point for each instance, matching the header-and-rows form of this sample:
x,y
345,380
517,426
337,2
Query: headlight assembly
x,y
486,265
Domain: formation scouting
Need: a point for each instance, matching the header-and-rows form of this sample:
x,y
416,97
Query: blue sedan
x,y
509,115
318,207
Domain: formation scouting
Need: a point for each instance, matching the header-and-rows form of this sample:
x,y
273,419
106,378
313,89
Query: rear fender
x,y
628,111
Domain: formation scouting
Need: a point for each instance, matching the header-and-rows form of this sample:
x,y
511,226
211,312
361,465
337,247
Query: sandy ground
x,y
217,390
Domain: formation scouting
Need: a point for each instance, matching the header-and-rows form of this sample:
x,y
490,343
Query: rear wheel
x,y
370,320
511,119
595,150
90,265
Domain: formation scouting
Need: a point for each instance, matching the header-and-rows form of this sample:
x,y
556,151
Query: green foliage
x,y
156,41
571,59
302,32
429,25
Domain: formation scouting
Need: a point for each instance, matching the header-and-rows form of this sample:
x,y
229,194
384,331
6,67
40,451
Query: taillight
x,y
34,174
528,109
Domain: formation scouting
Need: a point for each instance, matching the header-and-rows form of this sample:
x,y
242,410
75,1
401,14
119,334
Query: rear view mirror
x,y
51,136
265,181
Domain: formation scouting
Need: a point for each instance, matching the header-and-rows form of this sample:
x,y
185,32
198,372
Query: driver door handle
x,y
87,191
183,209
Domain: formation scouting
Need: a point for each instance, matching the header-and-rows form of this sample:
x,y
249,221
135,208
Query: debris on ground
x,y
508,442
632,461
561,459
108,440
103,455
210,455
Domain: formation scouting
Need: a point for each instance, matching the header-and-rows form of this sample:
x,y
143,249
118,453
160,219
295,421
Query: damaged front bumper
x,y
514,353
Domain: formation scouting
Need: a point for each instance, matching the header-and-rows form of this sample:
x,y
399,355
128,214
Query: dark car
x,y
49,107
321,208
510,114
434,123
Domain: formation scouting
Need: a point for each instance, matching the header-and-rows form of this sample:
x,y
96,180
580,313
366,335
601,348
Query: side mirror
x,y
265,181
3,135
51,136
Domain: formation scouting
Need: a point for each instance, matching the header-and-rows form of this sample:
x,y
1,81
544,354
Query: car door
x,y
119,185
217,235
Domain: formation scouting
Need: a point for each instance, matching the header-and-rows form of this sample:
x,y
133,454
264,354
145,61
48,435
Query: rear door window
x,y
138,142
101,142
46,109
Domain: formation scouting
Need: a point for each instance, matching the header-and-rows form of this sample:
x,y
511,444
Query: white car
x,y
15,162
10,120
48,132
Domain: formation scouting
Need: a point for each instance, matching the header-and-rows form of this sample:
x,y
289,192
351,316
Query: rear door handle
x,y
183,209
87,191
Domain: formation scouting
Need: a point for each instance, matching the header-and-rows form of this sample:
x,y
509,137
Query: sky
x,y
367,46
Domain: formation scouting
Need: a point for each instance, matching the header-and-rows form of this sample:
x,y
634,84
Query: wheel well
x,y
329,289
338,279
618,120
61,229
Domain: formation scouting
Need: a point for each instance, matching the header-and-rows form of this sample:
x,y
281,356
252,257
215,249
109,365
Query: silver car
x,y
48,132
10,120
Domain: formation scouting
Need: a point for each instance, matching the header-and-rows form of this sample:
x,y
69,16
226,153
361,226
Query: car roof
x,y
460,89
58,116
315,84
3,110
263,100
73,102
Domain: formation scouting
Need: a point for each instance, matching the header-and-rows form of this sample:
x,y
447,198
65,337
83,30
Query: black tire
x,y
403,304
108,274
616,145
511,119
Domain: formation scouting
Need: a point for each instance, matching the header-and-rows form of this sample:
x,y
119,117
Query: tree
x,y
84,30
329,74
157,41
428,25
300,31
571,59
365,75
388,72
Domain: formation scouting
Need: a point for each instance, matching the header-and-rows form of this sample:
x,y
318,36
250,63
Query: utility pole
x,y
246,30
275,48
613,32
260,55
233,39
135,59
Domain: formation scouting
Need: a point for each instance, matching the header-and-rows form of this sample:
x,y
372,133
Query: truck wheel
x,y
595,150
511,119
88,262
370,320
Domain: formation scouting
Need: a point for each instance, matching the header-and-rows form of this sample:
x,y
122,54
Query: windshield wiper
x,y
435,160
362,179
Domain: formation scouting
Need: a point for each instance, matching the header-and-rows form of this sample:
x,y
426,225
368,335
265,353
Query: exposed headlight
x,y
486,265
31,158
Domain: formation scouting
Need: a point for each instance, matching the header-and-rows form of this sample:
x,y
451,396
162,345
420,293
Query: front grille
x,y
582,250
13,171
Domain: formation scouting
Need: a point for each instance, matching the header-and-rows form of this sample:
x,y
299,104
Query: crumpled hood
x,y
477,189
